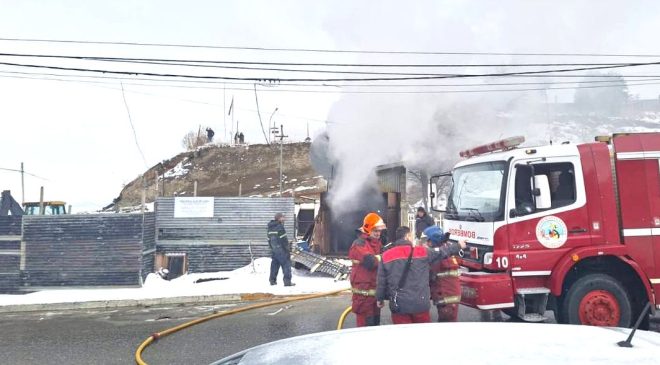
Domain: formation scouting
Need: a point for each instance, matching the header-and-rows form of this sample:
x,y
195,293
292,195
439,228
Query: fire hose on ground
x,y
342,318
169,331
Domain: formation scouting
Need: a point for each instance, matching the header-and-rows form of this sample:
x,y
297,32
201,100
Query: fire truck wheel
x,y
597,300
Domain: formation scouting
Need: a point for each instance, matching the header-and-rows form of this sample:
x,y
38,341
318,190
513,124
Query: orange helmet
x,y
371,221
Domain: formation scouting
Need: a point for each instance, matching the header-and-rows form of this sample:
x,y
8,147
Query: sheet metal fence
x,y
224,241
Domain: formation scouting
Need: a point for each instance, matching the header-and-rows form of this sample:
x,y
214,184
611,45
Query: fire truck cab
x,y
572,228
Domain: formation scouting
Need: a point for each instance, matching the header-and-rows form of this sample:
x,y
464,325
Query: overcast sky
x,y
78,136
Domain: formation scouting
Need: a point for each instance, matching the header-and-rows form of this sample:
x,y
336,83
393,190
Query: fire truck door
x,y
541,235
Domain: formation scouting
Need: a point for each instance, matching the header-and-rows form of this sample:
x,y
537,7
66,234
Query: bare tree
x,y
194,139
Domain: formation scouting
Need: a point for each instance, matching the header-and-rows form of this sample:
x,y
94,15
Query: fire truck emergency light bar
x,y
504,144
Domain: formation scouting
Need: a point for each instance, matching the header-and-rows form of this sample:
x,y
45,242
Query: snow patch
x,y
252,278
303,188
178,170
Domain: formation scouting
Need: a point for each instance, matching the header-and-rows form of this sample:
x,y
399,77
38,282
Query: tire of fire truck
x,y
598,300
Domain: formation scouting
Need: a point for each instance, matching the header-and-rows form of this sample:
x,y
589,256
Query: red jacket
x,y
365,254
445,284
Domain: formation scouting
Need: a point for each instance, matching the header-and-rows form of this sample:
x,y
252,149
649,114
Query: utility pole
x,y
22,185
280,134
42,207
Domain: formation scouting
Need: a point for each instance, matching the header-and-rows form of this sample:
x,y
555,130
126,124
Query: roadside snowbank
x,y
246,280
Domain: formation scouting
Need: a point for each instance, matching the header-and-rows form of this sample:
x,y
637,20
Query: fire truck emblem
x,y
551,232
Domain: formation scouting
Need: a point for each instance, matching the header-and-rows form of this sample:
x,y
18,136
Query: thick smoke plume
x,y
424,132
427,131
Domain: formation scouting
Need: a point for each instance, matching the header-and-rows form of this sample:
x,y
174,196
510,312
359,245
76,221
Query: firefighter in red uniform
x,y
365,255
445,285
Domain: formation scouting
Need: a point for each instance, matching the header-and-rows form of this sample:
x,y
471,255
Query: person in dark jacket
x,y
411,302
365,255
280,254
209,134
422,222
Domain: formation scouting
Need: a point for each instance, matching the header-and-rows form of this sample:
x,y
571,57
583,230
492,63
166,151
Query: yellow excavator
x,y
50,208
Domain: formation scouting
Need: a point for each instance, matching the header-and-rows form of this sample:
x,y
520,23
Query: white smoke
x,y
426,131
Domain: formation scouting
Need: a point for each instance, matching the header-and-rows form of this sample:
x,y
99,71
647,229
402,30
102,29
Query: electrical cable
x,y
613,84
25,172
277,79
481,84
130,120
185,62
320,50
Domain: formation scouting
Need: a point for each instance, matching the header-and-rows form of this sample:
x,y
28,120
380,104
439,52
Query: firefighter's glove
x,y
370,262
445,237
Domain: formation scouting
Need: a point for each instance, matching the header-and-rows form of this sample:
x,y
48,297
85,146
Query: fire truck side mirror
x,y
542,192
438,200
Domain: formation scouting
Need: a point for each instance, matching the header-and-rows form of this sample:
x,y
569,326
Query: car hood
x,y
459,343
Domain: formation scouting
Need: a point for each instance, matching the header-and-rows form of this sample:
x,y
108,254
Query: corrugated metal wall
x,y
204,257
148,244
222,242
86,250
10,253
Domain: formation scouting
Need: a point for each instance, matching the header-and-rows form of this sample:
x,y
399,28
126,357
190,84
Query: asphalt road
x,y
111,337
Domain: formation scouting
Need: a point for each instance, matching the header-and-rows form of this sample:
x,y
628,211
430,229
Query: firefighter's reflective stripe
x,y
356,262
275,232
282,236
379,258
454,299
449,273
366,293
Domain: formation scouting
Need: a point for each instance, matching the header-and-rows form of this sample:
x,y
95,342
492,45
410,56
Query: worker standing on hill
x,y
445,284
365,255
280,252
403,277
209,134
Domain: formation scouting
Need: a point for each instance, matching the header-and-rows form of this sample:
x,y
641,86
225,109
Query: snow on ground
x,y
303,188
246,280
178,170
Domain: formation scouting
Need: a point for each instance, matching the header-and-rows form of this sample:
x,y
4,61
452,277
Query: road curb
x,y
110,304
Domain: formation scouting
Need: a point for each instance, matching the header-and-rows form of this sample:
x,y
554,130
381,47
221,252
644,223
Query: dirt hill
x,y
224,170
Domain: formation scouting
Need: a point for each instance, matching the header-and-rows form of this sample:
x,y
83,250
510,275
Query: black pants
x,y
280,258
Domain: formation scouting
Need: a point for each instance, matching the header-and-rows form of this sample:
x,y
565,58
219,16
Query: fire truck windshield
x,y
476,194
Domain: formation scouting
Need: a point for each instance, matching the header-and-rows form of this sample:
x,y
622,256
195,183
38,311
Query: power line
x,y
276,79
613,84
481,84
25,172
256,99
320,50
188,62
130,120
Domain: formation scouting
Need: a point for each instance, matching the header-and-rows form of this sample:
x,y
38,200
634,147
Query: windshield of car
x,y
477,192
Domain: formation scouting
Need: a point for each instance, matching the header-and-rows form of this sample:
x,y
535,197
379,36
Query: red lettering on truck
x,y
462,233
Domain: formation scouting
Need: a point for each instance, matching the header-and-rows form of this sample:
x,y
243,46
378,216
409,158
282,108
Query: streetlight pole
x,y
280,134
271,119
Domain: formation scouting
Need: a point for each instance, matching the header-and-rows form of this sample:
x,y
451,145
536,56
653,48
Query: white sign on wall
x,y
193,207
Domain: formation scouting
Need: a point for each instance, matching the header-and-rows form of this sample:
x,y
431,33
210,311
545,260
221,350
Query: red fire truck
x,y
571,228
